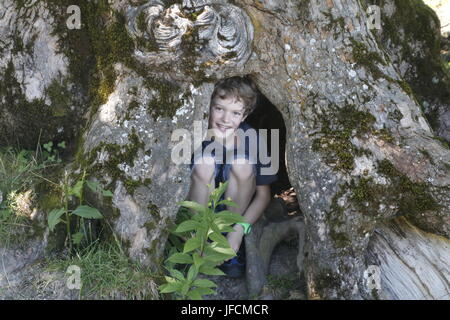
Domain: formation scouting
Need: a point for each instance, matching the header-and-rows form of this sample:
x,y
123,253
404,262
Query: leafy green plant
x,y
83,211
51,152
205,247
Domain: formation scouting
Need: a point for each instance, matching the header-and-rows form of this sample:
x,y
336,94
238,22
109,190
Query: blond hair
x,y
241,88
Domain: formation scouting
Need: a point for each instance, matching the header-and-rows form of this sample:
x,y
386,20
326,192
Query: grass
x,y
107,273
19,172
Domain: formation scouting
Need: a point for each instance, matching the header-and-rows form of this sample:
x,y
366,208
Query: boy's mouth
x,y
222,128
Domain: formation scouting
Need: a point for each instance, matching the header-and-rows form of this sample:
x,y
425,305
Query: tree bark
x,y
359,149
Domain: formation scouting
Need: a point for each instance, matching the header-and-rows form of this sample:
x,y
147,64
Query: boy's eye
x,y
237,113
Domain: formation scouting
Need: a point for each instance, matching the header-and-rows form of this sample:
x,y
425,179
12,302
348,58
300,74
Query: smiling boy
x,y
233,99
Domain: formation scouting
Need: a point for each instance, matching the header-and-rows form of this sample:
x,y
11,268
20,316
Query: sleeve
x,y
262,179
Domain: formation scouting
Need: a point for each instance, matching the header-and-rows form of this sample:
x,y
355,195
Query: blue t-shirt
x,y
261,178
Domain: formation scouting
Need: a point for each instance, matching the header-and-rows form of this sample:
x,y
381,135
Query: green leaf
x,y
205,291
193,205
218,257
220,239
225,228
107,193
194,295
62,145
211,253
197,293
77,189
211,271
185,288
48,146
54,218
93,185
87,212
192,244
227,203
187,226
224,250
228,217
77,237
180,258
175,242
219,191
5,214
170,287
177,274
192,273
204,283
198,261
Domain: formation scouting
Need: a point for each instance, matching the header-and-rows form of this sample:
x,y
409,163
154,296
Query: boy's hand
x,y
235,238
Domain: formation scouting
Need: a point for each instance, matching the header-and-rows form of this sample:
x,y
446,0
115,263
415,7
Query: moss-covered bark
x,y
412,36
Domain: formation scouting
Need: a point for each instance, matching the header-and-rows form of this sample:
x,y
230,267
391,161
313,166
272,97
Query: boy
x,y
233,99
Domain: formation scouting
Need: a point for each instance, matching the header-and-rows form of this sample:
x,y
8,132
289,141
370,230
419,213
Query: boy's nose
x,y
225,117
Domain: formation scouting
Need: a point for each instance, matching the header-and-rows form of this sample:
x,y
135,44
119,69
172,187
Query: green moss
x,y
427,155
364,195
385,135
18,45
443,142
286,281
335,220
153,210
189,64
405,86
413,197
337,129
367,59
132,106
93,50
117,155
395,115
416,19
166,101
133,91
340,239
27,119
338,24
168,3
375,294
327,280
59,96
141,21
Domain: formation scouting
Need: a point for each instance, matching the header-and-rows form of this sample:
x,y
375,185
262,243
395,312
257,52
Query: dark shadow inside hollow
x,y
267,116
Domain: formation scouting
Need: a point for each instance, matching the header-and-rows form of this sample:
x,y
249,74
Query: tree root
x,y
273,227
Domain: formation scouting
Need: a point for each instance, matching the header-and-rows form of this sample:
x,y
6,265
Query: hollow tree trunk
x,y
359,150
345,104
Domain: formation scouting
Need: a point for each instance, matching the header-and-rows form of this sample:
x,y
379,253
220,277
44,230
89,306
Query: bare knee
x,y
242,171
203,172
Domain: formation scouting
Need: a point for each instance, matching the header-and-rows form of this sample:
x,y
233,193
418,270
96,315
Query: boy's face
x,y
226,115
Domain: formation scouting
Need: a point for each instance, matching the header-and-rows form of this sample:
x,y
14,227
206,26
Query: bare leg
x,y
241,186
202,174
